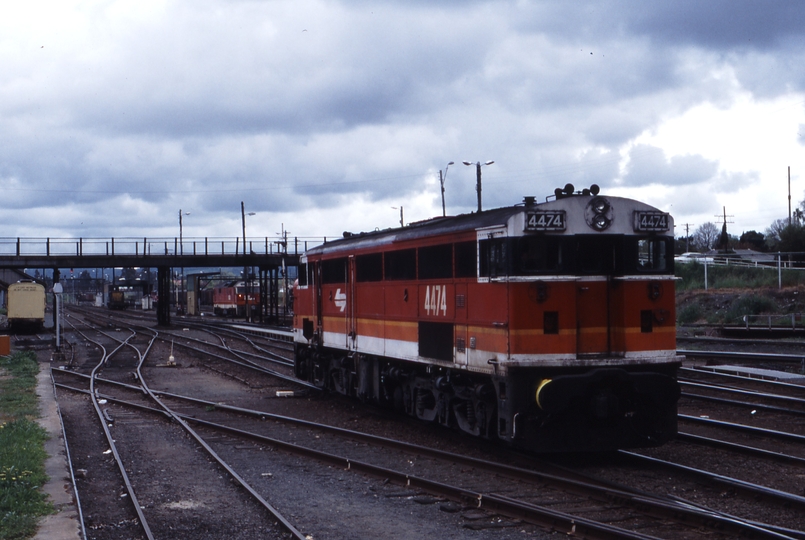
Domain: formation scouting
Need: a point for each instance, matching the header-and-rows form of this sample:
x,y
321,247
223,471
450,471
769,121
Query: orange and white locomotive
x,y
550,325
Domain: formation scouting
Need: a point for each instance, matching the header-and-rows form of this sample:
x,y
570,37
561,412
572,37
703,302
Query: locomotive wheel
x,y
397,399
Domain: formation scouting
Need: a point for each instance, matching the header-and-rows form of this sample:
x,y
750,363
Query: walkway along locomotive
x,y
550,325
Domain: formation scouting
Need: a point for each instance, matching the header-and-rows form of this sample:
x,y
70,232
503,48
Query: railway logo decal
x,y
340,300
436,299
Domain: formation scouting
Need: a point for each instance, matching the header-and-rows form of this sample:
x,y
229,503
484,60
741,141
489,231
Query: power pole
x,y
724,239
687,235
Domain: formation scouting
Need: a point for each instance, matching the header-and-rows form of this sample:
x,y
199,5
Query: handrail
x,y
122,246
790,319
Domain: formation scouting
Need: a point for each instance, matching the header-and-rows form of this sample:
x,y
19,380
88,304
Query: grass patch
x,y
750,304
689,314
734,277
18,386
22,453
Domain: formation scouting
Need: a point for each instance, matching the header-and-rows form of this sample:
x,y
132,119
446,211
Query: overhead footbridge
x,y
268,255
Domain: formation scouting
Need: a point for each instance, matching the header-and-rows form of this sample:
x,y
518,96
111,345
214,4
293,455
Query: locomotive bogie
x,y
550,326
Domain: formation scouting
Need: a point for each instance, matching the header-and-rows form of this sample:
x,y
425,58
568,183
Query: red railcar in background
x,y
231,298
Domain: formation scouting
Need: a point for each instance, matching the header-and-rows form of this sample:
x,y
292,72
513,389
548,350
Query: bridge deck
x,y
153,252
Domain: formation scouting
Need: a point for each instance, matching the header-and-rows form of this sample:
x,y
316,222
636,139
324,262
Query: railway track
x,y
593,496
761,418
408,467
152,492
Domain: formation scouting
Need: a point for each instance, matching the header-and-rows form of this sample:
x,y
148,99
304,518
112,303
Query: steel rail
x,y
129,488
281,519
281,334
243,363
756,380
516,509
272,357
219,331
711,519
218,405
79,508
287,525
781,532
742,427
755,489
225,328
742,392
282,361
99,379
742,355
745,404
740,448
649,504
284,345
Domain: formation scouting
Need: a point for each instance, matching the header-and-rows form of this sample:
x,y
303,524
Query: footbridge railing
x,y
77,247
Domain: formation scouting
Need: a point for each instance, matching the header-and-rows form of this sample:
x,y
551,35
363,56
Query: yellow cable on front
x,y
543,383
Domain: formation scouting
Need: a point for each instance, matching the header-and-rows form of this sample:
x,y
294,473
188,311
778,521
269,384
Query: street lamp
x,y
181,248
243,222
441,181
478,165
245,267
402,218
181,252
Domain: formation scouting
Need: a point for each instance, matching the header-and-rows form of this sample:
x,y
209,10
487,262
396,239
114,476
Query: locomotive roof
x,y
432,227
440,226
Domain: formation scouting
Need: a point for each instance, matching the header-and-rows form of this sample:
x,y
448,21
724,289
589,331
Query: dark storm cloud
x,y
761,40
718,24
289,106
714,24
349,70
649,165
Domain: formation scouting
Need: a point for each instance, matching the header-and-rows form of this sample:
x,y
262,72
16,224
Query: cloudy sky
x,y
326,116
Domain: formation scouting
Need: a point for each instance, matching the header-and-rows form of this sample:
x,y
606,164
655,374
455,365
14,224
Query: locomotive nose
x,y
606,392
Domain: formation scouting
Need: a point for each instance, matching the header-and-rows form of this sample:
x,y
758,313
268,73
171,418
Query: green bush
x,y
749,304
689,314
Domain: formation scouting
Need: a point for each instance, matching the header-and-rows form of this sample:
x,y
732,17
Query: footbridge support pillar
x,y
163,295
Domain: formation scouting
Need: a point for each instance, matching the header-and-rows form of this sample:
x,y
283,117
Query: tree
x,y
773,233
792,238
705,236
682,244
753,240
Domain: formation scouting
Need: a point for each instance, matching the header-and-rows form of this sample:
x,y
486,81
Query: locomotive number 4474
x,y
436,300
